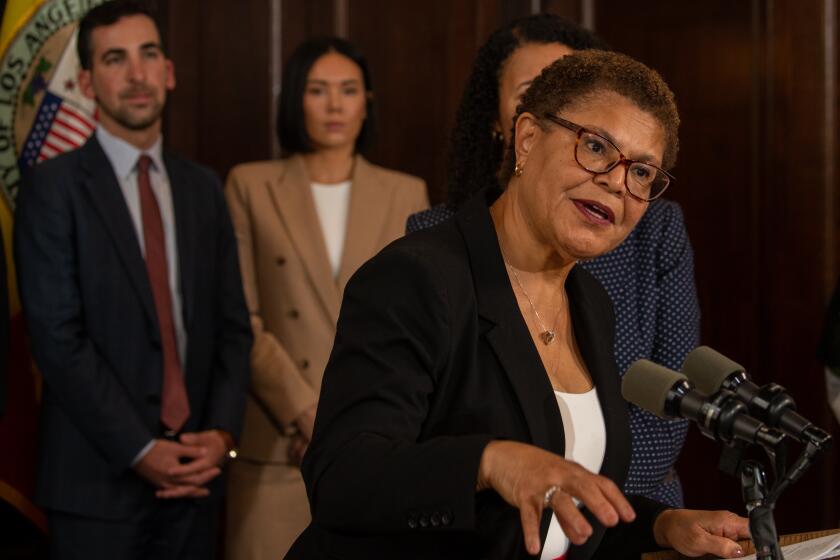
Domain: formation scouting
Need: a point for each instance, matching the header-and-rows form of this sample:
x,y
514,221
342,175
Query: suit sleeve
x,y
233,331
367,469
418,203
678,311
630,540
81,382
275,379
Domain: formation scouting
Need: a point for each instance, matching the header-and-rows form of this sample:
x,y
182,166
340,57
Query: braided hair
x,y
476,151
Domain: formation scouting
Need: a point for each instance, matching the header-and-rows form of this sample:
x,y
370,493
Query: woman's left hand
x,y
297,447
696,532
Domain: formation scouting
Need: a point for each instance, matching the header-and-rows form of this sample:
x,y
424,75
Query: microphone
x,y
712,372
669,394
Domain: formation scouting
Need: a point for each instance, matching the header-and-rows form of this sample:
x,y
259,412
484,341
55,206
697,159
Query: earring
x,y
517,169
496,135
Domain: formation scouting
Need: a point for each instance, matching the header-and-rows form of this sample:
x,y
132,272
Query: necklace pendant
x,y
547,337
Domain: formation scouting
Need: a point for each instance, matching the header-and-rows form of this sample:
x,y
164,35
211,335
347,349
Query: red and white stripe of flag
x,y
70,129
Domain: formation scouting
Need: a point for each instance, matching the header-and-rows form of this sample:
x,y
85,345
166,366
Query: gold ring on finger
x,y
549,494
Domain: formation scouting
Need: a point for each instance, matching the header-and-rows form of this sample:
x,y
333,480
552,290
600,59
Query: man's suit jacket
x,y
432,360
292,294
93,325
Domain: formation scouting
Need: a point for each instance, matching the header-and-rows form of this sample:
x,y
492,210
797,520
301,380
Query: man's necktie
x,y
175,406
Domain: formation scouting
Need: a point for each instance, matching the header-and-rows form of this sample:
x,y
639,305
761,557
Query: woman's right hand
x,y
305,422
523,474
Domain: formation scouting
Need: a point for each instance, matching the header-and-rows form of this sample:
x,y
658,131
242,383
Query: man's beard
x,y
124,117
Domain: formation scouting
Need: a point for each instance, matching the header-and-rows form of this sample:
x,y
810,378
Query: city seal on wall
x,y
42,111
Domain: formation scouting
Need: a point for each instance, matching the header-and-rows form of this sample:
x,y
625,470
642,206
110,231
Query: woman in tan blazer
x,y
303,225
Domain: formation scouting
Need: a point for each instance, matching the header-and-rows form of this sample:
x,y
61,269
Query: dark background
x,y
756,84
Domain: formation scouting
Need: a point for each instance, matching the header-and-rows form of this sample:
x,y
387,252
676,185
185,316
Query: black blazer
x,y
88,306
829,348
432,360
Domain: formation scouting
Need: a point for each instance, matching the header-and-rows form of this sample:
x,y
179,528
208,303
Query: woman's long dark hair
x,y
291,123
476,151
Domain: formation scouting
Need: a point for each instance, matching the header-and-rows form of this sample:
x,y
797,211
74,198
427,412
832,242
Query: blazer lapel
x,y
185,225
294,202
509,337
370,205
106,196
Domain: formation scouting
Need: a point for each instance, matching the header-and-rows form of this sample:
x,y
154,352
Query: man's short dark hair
x,y
105,14
291,122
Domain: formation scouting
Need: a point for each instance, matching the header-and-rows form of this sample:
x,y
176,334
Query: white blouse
x,y
586,443
333,205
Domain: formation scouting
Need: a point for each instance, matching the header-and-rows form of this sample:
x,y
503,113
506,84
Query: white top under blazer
x,y
586,444
332,202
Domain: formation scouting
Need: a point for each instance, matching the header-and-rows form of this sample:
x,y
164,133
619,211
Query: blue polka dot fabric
x,y
650,278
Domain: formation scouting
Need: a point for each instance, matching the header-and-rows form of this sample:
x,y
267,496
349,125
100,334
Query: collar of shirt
x,y
123,156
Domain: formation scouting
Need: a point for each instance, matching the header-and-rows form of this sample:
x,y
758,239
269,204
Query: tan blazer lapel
x,y
292,197
370,204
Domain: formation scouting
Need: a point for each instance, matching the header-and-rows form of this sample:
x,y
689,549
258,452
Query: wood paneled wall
x,y
757,178
220,113
755,82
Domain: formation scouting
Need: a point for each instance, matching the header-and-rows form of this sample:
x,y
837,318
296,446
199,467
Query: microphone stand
x,y
758,502
760,510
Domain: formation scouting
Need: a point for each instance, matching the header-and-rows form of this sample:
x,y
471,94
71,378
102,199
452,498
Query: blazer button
x,y
280,261
435,519
304,364
424,521
412,523
294,314
446,518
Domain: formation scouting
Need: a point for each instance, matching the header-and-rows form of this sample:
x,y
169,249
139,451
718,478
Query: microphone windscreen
x,y
708,369
647,384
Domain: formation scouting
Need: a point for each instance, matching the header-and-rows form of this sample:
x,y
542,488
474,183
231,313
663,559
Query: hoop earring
x,y
518,169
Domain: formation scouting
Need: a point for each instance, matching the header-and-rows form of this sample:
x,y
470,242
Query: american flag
x,y
59,127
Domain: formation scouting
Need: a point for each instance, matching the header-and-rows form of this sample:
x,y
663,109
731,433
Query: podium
x,y
746,545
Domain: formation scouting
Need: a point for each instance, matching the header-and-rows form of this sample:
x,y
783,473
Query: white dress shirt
x,y
123,157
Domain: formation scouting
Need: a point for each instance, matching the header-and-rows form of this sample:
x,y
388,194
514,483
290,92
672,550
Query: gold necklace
x,y
546,335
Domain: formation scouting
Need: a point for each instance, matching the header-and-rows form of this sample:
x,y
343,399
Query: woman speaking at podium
x,y
471,407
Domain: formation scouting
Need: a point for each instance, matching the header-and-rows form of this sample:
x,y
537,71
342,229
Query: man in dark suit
x,y
131,290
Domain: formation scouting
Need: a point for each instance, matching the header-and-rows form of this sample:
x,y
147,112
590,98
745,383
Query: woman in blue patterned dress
x,y
650,277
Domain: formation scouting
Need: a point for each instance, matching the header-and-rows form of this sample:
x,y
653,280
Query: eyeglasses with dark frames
x,y
597,154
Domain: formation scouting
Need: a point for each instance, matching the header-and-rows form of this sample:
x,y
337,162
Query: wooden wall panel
x,y
794,242
572,9
420,55
304,19
220,111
